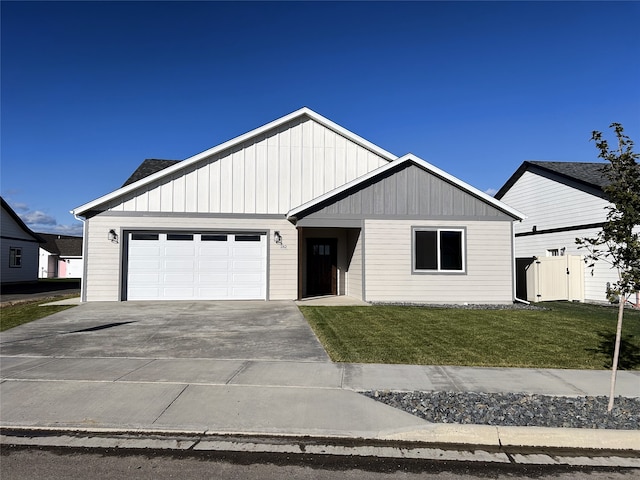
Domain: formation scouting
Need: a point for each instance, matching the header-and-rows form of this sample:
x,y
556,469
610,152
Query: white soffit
x,y
230,143
421,163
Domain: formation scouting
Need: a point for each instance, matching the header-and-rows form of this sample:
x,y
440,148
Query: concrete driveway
x,y
255,330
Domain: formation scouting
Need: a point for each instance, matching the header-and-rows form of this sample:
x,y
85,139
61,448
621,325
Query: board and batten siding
x,y
551,204
269,174
103,267
408,190
388,264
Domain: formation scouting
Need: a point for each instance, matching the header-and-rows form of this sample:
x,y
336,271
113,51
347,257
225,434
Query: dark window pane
x,y
426,254
247,238
450,250
144,236
214,238
179,236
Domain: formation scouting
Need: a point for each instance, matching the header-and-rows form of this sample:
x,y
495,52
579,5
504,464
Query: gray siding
x,y
408,191
13,235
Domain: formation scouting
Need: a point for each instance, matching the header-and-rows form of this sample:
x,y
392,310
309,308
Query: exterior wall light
x,y
112,236
277,237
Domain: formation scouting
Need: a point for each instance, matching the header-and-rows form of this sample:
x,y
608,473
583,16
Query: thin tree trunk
x,y
616,353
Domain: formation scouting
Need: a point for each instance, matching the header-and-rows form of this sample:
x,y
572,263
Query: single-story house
x,y
562,201
299,207
19,247
60,256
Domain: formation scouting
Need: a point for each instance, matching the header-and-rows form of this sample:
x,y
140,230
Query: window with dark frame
x,y
15,257
438,250
247,238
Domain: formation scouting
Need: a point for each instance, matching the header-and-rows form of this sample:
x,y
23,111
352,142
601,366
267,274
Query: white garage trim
x,y
180,265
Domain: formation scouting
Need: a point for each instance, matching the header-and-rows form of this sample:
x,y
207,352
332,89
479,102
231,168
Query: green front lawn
x,y
14,315
565,335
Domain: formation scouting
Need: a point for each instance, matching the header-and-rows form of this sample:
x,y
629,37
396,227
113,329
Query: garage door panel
x,y
179,251
247,265
142,279
177,293
213,265
188,266
178,278
212,278
144,293
179,264
151,264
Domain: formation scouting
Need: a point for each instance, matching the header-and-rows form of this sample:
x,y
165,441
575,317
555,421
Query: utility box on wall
x,y
555,278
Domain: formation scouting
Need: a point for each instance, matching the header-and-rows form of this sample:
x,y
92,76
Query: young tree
x,y
617,243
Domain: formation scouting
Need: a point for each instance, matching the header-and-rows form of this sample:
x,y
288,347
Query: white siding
x,y
550,204
103,280
388,262
266,175
595,284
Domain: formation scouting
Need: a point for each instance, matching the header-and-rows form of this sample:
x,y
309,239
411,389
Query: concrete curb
x,y
449,443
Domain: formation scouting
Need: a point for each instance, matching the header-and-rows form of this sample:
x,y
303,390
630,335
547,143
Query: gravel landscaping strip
x,y
515,409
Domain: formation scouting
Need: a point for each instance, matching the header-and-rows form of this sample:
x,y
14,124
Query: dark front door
x,y
322,266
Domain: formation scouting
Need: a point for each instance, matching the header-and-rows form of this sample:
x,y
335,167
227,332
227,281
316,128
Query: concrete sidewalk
x,y
284,399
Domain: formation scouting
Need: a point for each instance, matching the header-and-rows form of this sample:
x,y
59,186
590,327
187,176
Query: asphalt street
x,y
61,463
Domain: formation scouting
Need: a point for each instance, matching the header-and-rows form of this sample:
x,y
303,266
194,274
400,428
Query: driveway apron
x,y
254,330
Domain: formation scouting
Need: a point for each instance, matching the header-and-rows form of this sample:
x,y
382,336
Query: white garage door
x,y
197,266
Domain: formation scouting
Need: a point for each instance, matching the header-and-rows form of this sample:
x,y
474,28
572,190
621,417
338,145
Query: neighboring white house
x,y
19,248
296,208
562,201
60,256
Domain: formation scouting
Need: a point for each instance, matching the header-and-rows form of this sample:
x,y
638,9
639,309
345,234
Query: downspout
x,y
83,281
513,260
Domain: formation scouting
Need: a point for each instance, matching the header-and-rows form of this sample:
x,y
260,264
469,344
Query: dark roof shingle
x,y
64,245
589,174
149,167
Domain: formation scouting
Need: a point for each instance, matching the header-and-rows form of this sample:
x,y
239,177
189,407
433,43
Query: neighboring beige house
x,y
562,201
299,207
19,248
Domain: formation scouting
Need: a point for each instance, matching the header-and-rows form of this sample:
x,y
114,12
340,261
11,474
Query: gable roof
x,y
184,164
589,174
7,208
409,158
63,245
148,167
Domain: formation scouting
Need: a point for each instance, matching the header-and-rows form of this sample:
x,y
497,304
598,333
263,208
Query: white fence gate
x,y
556,278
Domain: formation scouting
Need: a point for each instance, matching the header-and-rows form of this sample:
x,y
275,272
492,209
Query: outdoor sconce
x,y
112,236
277,237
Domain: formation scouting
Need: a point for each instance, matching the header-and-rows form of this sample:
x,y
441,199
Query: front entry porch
x,y
329,262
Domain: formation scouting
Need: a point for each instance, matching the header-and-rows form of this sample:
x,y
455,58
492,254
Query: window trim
x,y
15,253
439,270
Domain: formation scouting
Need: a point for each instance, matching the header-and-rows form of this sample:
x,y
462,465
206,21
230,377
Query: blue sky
x,y
90,89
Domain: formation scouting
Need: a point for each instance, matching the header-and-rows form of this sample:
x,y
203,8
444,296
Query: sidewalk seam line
x,y
135,370
172,402
239,370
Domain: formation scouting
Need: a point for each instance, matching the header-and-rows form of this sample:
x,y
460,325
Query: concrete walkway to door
x,y
248,330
